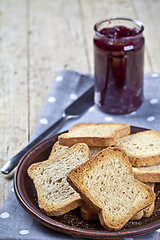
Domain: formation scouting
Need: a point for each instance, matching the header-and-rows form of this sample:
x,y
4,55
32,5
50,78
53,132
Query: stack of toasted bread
x,y
104,169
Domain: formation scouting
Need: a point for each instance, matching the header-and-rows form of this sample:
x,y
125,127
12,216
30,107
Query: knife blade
x,y
75,110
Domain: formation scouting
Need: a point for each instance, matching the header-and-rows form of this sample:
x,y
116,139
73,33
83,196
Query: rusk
x,y
88,213
142,148
55,195
94,134
147,174
146,212
58,149
106,183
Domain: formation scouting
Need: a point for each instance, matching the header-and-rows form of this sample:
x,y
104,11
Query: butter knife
x,y
75,110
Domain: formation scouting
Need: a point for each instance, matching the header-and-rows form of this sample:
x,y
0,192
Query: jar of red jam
x,y
119,61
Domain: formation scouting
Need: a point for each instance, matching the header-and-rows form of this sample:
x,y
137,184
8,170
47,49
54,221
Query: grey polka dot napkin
x,y
15,222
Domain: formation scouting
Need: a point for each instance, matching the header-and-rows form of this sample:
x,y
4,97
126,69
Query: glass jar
x,y
119,62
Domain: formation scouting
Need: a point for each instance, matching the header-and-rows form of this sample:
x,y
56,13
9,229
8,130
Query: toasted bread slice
x,y
55,195
94,134
106,182
88,213
147,174
58,149
143,148
147,212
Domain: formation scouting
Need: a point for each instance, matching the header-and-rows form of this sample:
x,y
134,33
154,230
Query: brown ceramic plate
x,y
72,223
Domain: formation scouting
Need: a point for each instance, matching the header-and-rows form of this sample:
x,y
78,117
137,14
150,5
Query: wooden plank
x,y
99,10
13,82
56,42
148,12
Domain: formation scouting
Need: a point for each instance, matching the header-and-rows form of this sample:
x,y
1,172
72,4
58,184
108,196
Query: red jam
x,y
119,60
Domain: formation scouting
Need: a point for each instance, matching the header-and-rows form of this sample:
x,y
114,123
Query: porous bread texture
x,y
88,213
147,174
58,149
147,212
106,182
55,195
95,150
142,148
94,134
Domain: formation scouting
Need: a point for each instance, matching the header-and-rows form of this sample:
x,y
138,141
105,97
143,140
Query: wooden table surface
x,y
38,38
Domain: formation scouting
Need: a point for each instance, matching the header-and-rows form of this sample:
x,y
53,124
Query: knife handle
x,y
12,163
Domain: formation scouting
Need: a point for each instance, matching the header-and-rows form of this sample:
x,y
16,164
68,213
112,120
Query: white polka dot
x,y
151,118
43,121
51,99
155,74
24,232
59,79
132,113
91,109
73,96
158,230
153,101
4,215
12,189
108,119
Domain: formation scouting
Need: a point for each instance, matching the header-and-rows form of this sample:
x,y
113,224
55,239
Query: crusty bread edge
x,y
71,174
147,211
62,210
90,141
143,176
107,226
125,131
44,208
92,203
65,139
55,211
144,161
88,213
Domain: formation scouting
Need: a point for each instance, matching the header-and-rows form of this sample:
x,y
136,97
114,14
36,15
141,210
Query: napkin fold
x,y
15,222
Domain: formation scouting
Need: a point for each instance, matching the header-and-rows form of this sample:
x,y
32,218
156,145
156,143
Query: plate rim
x,y
67,229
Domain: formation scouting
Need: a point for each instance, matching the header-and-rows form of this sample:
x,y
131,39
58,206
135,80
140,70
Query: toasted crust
x,y
144,161
88,213
138,215
61,209
142,148
147,212
106,183
90,141
58,149
55,196
144,175
94,134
